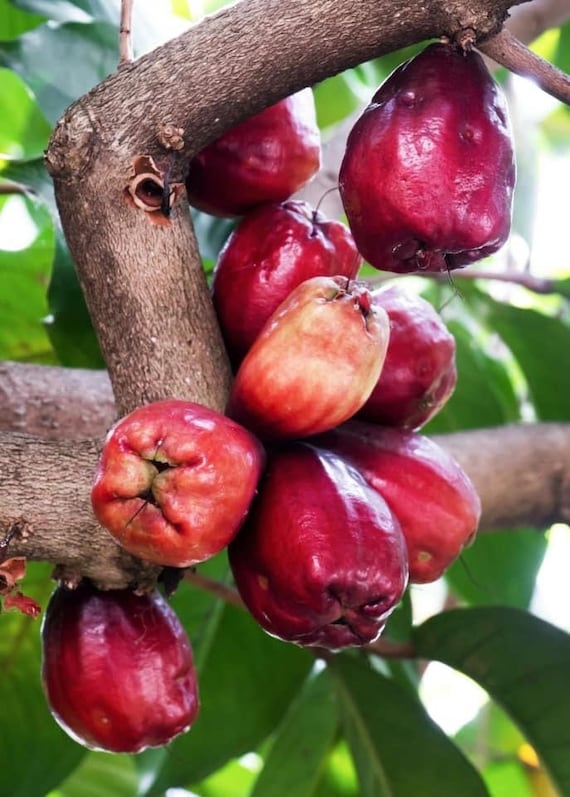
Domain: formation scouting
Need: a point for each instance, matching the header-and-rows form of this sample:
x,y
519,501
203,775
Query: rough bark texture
x,y
140,271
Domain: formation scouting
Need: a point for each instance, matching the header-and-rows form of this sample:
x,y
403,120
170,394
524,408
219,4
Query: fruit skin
x,y
433,499
175,480
419,373
428,175
266,158
117,668
314,363
321,559
274,249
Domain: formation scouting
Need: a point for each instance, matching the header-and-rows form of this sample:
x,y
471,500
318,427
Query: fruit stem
x,y
392,650
217,588
507,50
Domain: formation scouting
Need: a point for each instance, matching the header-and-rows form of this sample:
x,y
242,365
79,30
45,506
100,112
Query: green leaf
x,y
507,778
24,275
233,780
522,662
484,395
35,754
101,774
397,749
72,10
24,131
339,778
499,568
540,344
37,58
69,328
16,22
301,743
247,680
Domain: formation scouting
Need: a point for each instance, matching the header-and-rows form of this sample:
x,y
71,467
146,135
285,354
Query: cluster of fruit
x,y
317,480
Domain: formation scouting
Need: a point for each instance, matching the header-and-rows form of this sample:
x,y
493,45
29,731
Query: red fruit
x,y
314,363
419,373
428,175
425,488
274,249
266,158
321,559
175,480
117,669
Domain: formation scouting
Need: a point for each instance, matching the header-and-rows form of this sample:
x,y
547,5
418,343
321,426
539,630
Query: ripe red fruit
x,y
274,249
314,363
428,175
321,559
266,158
419,373
175,480
117,669
433,499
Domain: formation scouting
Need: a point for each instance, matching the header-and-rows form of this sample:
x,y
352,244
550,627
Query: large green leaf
x,y
73,10
540,344
301,744
101,774
24,275
35,754
247,680
398,750
522,662
499,568
24,131
69,328
37,58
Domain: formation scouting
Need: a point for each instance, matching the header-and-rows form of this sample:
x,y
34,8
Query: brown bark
x,y
140,271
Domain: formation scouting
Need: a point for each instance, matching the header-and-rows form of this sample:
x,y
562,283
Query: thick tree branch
x,y
139,267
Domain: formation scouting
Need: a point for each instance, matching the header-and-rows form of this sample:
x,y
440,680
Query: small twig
x,y
392,650
217,588
535,284
507,50
8,187
125,40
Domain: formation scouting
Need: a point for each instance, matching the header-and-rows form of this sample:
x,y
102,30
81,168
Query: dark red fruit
x,y
321,559
433,499
264,159
314,363
419,373
428,175
117,669
175,480
274,249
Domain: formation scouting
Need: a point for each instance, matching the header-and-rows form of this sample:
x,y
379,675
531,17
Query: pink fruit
x,y
175,480
274,249
428,175
419,373
266,158
314,363
117,669
433,499
321,559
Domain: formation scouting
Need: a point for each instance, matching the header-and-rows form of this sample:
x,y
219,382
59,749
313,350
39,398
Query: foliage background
x,y
273,723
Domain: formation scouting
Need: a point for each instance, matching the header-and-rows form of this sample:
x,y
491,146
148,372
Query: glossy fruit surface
x,y
314,363
321,559
266,158
117,668
274,249
175,480
428,175
432,497
419,373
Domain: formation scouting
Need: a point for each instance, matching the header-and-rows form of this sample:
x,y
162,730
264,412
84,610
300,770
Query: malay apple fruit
x,y
266,158
428,174
174,481
419,373
273,249
117,668
314,363
433,498
321,559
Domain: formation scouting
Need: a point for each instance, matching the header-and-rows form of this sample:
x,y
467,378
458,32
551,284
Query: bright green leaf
x,y
101,774
398,750
522,662
301,744
24,131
